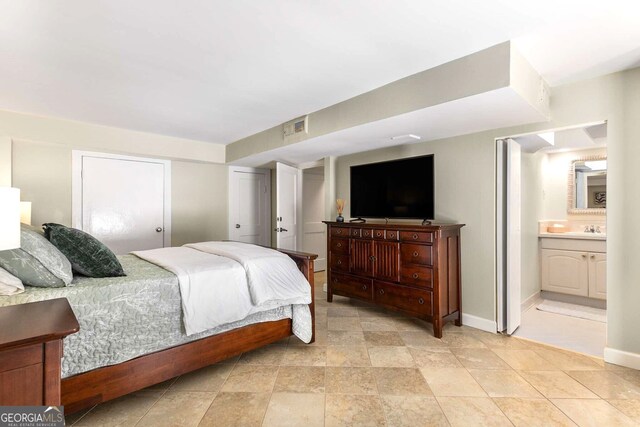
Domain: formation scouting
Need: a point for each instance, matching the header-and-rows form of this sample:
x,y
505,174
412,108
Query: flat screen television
x,y
395,189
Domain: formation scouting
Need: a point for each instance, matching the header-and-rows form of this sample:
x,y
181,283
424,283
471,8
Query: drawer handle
x,y
415,237
372,258
335,279
378,234
339,232
381,291
364,287
415,254
339,245
420,301
415,275
584,255
392,235
339,262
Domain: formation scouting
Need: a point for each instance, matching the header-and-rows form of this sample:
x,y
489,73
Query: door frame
x,y
233,193
76,186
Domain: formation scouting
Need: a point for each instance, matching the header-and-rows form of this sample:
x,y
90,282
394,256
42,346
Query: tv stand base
x,y
358,220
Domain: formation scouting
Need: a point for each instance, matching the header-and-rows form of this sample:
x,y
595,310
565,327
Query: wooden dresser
x,y
412,269
31,349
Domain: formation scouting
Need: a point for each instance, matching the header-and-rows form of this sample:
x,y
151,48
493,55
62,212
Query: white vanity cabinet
x,y
574,266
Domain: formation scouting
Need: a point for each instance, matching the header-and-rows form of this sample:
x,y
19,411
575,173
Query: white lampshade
x,y
25,212
9,218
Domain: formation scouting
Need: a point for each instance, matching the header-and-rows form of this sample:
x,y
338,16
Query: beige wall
x,y
42,171
92,137
5,161
623,227
465,193
199,202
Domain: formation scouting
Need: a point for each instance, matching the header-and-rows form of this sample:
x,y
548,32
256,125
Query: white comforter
x,y
226,287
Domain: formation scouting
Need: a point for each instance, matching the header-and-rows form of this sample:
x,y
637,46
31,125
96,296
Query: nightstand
x,y
31,351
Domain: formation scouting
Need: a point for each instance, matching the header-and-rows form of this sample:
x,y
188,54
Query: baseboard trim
x,y
622,358
479,323
530,302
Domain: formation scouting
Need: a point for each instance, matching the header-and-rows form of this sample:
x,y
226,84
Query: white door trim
x,y
233,194
76,186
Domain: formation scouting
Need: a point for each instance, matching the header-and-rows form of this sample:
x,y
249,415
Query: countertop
x,y
581,235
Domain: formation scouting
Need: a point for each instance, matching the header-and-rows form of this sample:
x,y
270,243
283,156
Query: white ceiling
x,y
219,70
489,110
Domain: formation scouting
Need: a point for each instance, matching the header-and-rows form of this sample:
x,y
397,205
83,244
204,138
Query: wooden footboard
x,y
103,384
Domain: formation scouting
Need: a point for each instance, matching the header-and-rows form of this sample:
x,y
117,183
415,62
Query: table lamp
x,y
9,218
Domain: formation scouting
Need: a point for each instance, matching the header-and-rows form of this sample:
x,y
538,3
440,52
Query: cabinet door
x,y
565,272
386,260
362,257
598,275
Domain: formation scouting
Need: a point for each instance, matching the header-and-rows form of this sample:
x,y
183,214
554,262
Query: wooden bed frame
x,y
100,385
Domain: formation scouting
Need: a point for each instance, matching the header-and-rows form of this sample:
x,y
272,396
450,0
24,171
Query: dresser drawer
x,y
354,232
416,254
340,246
340,262
416,301
21,356
391,235
367,233
339,231
416,236
351,286
415,275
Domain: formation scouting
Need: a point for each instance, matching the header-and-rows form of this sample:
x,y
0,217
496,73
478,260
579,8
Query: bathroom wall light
x,y
550,137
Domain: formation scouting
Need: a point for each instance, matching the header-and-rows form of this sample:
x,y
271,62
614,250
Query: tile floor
x,y
572,333
372,367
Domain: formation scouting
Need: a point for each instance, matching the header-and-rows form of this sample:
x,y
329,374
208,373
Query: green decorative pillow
x,y
37,262
87,254
28,269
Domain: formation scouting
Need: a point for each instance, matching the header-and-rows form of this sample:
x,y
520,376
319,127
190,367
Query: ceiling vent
x,y
296,127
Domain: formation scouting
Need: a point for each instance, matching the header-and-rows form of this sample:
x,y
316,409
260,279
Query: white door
x,y
250,205
314,231
122,201
288,206
513,236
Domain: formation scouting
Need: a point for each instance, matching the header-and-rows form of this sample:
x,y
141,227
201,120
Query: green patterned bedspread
x,y
125,317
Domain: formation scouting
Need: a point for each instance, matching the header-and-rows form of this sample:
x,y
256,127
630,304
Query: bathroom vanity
x,y
574,263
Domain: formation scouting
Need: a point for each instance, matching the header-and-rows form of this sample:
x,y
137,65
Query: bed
x,y
132,332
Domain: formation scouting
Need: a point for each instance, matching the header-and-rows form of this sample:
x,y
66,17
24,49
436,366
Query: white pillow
x,y
9,284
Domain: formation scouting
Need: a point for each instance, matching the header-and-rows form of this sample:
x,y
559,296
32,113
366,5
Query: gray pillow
x,y
37,262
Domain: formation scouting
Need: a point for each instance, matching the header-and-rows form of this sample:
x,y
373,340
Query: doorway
x,y
314,233
123,201
250,205
552,268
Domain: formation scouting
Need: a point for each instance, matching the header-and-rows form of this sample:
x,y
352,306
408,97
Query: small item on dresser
x,y
88,256
340,209
556,228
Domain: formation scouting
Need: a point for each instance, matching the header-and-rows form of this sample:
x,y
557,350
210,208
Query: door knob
x,y
159,229
237,225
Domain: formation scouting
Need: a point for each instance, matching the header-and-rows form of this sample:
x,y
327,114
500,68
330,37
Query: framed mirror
x,y
587,186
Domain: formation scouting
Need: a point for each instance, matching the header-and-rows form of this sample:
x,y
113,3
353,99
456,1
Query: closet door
x,y
123,201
